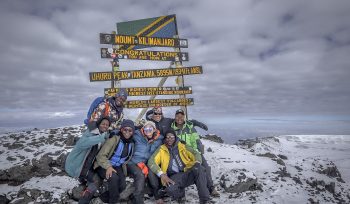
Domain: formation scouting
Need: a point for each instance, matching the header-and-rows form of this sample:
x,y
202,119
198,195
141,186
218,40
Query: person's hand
x,y
166,180
196,165
109,172
106,135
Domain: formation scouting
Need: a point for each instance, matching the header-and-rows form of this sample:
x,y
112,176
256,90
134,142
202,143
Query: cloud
x,y
259,57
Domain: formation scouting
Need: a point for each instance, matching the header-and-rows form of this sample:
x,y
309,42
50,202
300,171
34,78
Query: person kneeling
x,y
79,163
179,166
112,159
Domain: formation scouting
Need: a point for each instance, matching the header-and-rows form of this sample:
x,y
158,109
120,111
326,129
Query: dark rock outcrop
x,y
237,181
213,138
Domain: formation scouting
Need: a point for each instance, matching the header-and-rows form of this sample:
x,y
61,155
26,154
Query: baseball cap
x,y
180,111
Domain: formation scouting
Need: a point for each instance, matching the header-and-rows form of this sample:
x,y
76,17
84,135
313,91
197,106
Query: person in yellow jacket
x,y
179,166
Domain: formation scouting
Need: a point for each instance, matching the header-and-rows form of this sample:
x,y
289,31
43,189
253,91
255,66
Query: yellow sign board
x,y
159,102
143,55
146,91
116,39
148,73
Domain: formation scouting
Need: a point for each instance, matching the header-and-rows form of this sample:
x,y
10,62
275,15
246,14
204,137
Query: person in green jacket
x,y
185,130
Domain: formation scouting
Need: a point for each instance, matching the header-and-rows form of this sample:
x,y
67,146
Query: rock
x,y
298,168
297,180
213,138
282,156
70,140
330,187
209,150
282,172
41,167
280,162
15,175
4,200
9,158
238,181
328,168
268,154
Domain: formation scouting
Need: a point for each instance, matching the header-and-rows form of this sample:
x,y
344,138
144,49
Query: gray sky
x,y
260,58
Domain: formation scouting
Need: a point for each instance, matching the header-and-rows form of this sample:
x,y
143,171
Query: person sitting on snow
x,y
111,107
185,130
179,166
111,161
79,163
164,124
146,140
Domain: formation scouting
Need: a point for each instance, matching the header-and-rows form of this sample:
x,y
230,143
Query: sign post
x,y
127,44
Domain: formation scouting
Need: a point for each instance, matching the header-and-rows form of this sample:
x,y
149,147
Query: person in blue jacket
x,y
79,163
146,140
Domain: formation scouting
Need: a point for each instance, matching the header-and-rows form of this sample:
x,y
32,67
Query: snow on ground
x,y
284,169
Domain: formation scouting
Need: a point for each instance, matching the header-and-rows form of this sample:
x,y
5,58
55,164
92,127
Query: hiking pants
x,y
195,175
116,183
139,183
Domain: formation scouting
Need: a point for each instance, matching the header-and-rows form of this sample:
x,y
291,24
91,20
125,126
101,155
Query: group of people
x,y
165,154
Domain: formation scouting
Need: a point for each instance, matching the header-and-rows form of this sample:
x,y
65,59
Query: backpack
x,y
93,106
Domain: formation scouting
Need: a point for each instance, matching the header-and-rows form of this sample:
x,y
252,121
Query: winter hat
x,y
180,111
122,92
151,124
157,109
128,123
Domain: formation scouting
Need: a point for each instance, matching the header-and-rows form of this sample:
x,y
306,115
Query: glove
x,y
113,133
199,124
196,166
143,168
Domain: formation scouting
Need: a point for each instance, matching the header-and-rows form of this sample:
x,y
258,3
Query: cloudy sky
x,y
261,58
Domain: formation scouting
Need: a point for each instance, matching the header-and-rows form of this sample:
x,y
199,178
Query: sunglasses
x,y
170,136
157,113
127,130
148,129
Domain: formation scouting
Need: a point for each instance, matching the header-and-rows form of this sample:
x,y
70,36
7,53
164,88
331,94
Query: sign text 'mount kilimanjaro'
x,y
145,91
142,40
147,73
143,55
159,102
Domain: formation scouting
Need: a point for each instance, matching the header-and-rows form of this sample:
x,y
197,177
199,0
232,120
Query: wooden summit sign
x,y
147,73
146,91
116,39
159,102
143,55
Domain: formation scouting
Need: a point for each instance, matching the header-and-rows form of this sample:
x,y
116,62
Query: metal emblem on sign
x,y
108,38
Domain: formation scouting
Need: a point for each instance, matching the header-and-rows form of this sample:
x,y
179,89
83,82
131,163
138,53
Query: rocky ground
x,y
283,169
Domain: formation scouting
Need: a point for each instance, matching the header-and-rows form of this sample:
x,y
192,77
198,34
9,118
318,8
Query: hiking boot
x,y
102,189
214,192
85,197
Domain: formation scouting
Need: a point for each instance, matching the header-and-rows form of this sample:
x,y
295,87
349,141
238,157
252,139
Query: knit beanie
x,y
128,123
122,92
